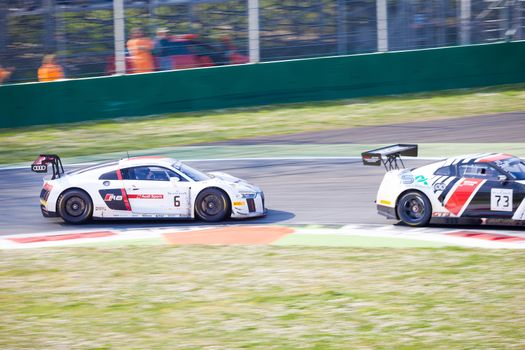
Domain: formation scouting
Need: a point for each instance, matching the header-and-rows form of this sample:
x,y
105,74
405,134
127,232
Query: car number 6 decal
x,y
176,201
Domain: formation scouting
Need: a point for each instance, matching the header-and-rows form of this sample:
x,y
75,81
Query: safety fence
x,y
92,37
261,84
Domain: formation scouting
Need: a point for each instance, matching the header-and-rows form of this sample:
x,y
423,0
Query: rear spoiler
x,y
41,163
389,156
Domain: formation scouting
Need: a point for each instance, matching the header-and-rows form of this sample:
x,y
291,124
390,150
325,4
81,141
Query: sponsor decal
x,y
470,182
462,195
440,186
407,179
382,201
39,168
115,199
100,208
145,196
501,199
371,158
420,179
238,203
112,197
437,214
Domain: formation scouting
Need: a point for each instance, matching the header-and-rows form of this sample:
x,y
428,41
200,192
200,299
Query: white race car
x,y
144,187
466,188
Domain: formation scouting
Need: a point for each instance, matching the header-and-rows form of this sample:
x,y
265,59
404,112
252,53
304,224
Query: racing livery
x,y
465,188
144,187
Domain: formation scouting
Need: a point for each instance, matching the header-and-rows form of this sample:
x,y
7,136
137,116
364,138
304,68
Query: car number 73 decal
x,y
501,199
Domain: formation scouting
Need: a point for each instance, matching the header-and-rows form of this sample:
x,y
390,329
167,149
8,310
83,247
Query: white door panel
x,y
158,197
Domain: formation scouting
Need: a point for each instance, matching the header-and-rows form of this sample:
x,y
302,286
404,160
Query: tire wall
x,y
261,84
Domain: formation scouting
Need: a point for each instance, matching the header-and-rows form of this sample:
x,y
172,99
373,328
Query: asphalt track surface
x,y
317,191
491,128
328,191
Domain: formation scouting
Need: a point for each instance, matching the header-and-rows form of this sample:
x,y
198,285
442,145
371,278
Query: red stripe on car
x,y
458,199
124,194
494,158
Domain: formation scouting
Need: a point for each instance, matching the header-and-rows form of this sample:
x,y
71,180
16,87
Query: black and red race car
x,y
476,186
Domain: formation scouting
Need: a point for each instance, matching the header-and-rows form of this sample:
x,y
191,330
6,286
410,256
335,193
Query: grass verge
x,y
261,297
77,139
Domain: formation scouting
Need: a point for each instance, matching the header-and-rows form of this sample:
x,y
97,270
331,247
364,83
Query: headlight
x,y
248,194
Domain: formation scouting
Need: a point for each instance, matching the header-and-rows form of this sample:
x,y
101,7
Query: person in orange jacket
x,y
140,47
50,70
5,73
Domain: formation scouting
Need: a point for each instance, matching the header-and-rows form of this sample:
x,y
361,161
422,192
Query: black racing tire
x,y
75,207
212,205
414,209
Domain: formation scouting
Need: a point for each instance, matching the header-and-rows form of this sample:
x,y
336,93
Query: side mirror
x,y
502,178
174,179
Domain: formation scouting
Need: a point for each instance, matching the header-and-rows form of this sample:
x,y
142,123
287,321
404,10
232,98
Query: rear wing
x,y
389,156
41,163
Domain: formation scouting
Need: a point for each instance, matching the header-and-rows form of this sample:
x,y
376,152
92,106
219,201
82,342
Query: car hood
x,y
235,182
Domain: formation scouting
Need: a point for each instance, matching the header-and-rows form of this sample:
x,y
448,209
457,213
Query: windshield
x,y
192,173
513,166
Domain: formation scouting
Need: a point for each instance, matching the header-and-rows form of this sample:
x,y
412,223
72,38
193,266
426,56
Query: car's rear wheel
x,y
212,205
414,209
75,206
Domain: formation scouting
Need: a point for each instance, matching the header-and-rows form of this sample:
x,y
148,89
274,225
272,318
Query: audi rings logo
x,y
39,168
440,186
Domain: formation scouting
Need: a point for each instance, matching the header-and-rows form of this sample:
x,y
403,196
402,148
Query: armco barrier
x,y
261,84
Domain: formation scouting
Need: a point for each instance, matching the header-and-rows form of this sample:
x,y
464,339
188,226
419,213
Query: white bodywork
x,y
424,179
173,198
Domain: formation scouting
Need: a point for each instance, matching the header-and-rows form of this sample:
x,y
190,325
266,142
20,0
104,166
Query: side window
x,y
445,171
112,175
480,171
149,173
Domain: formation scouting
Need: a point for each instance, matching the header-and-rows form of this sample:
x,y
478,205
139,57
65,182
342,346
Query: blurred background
x,y
89,37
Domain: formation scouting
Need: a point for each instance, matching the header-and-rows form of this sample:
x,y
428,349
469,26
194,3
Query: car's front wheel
x,y
75,206
414,209
212,205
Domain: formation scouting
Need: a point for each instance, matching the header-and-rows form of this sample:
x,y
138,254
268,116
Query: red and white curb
x,y
471,238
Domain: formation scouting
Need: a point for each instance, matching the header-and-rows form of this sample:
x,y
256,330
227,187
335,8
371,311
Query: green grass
x,y
261,297
128,134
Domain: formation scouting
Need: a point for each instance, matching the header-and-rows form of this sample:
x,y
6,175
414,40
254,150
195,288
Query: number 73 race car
x,y
144,187
470,187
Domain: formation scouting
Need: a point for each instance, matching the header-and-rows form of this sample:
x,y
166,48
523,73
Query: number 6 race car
x,y
144,187
478,186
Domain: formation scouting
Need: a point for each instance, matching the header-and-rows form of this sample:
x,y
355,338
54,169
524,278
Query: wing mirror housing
x,y
174,179
502,178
